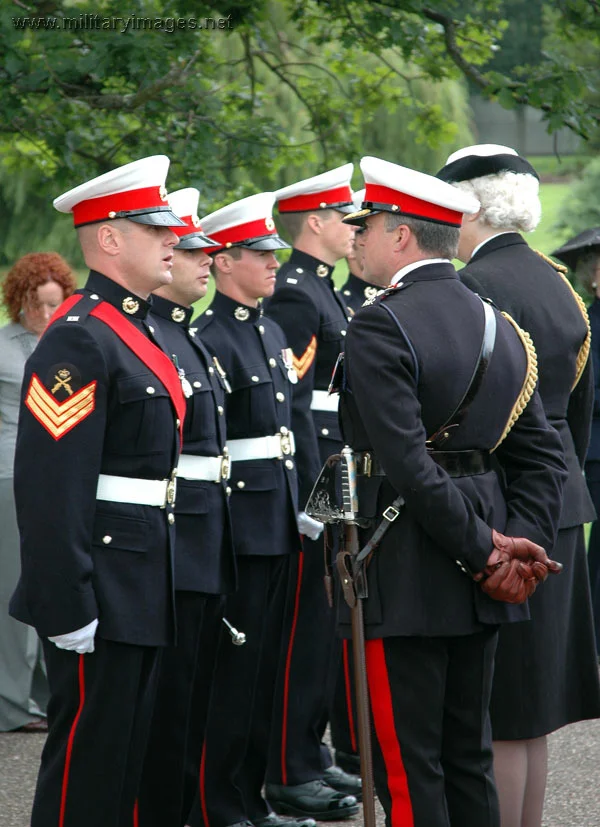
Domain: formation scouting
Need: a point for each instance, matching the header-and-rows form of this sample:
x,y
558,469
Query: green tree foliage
x,y
581,210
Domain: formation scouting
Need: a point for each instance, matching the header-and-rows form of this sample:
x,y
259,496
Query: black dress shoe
x,y
348,761
343,782
314,799
273,820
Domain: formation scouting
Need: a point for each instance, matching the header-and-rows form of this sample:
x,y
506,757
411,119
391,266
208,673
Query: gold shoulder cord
x,y
529,383
584,350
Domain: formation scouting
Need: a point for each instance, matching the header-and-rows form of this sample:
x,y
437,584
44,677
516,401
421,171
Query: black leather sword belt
x,y
454,463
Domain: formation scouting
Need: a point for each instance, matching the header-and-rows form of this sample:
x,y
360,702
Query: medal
x,y
185,385
288,360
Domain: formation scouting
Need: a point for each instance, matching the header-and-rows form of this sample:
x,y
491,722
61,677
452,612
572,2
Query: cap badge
x,y
322,271
130,305
195,221
242,314
269,224
163,193
370,292
178,314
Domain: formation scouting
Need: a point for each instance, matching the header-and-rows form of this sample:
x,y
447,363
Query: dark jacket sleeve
x,y
295,312
56,477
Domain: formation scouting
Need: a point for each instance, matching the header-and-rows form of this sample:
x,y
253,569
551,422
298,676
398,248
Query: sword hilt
x,y
237,638
349,492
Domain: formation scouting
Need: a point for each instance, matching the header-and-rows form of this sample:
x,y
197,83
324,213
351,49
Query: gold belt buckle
x,y
171,489
286,443
225,466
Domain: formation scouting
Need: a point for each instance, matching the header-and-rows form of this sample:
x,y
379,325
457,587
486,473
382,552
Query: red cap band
x,y
191,226
99,209
316,200
410,205
244,232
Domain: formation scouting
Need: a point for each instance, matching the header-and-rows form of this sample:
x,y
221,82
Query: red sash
x,y
151,355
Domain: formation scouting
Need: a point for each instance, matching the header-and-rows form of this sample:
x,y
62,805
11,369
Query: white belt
x,y
136,491
263,447
322,401
210,469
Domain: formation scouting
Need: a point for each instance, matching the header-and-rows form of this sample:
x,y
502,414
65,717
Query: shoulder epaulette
x,y
529,383
584,350
384,293
203,320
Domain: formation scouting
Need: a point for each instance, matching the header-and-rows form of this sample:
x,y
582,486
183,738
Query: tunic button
x,y
261,328
325,431
94,296
211,370
241,484
289,464
280,397
255,379
150,389
299,270
107,539
177,423
150,328
272,362
209,312
220,410
283,430
228,490
197,384
171,519
343,332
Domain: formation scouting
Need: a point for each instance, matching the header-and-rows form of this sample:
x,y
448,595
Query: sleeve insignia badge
x,y
58,418
301,364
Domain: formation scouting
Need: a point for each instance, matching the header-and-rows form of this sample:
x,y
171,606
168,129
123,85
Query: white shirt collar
x,y
481,243
413,266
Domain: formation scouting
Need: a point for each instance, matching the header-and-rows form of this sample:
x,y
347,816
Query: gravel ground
x,y
573,798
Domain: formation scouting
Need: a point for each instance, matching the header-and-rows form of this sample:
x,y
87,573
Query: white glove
x,y
80,641
309,527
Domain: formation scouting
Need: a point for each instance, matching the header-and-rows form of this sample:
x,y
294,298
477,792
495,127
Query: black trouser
x,y
344,735
592,472
99,718
303,700
240,716
180,710
433,746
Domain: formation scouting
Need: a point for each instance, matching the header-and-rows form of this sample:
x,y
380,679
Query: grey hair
x,y
440,240
509,200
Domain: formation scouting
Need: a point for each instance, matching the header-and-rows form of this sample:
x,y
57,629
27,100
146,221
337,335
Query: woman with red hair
x,y
33,288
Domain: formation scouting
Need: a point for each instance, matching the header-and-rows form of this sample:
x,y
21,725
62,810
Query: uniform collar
x,y
166,309
358,285
422,271
225,306
130,305
305,262
494,242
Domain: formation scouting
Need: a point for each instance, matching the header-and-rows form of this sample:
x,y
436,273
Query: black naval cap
x,y
483,159
586,242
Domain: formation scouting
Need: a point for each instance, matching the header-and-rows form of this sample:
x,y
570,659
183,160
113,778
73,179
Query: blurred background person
x,y
582,255
355,291
546,673
33,289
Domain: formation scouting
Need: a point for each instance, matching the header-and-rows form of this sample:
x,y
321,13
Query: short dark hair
x,y
293,222
432,237
234,252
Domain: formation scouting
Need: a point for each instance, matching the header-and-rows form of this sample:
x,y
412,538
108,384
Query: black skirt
x,y
546,672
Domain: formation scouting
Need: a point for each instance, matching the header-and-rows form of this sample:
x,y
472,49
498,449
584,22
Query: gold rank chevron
x,y
302,363
58,418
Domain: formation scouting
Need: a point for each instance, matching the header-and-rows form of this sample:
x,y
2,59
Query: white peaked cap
x,y
245,223
483,159
329,190
135,191
357,199
184,204
396,189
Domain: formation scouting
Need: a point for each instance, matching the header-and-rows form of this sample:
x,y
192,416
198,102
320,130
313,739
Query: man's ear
x,y
402,236
314,222
222,262
109,239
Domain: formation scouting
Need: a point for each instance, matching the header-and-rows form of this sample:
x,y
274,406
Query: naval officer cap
x,y
135,191
403,191
330,190
483,159
586,242
246,223
184,204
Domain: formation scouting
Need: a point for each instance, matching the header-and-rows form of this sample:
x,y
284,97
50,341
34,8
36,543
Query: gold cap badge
x,y
370,292
130,305
178,314
269,224
322,271
242,314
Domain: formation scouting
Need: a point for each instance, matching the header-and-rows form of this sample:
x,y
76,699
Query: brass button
x,y
197,384
272,362
211,369
325,431
241,484
171,518
289,464
94,296
220,410
107,539
209,312
177,423
343,332
228,490
280,397
299,270
261,328
283,430
150,328
150,389
255,379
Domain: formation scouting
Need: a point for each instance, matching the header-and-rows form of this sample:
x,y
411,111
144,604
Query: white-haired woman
x,y
546,670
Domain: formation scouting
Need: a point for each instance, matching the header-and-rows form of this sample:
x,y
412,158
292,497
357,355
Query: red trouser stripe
x,y
202,788
348,688
385,729
136,814
65,784
288,666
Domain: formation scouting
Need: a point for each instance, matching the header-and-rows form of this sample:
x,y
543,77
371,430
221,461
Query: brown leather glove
x,y
511,581
519,548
